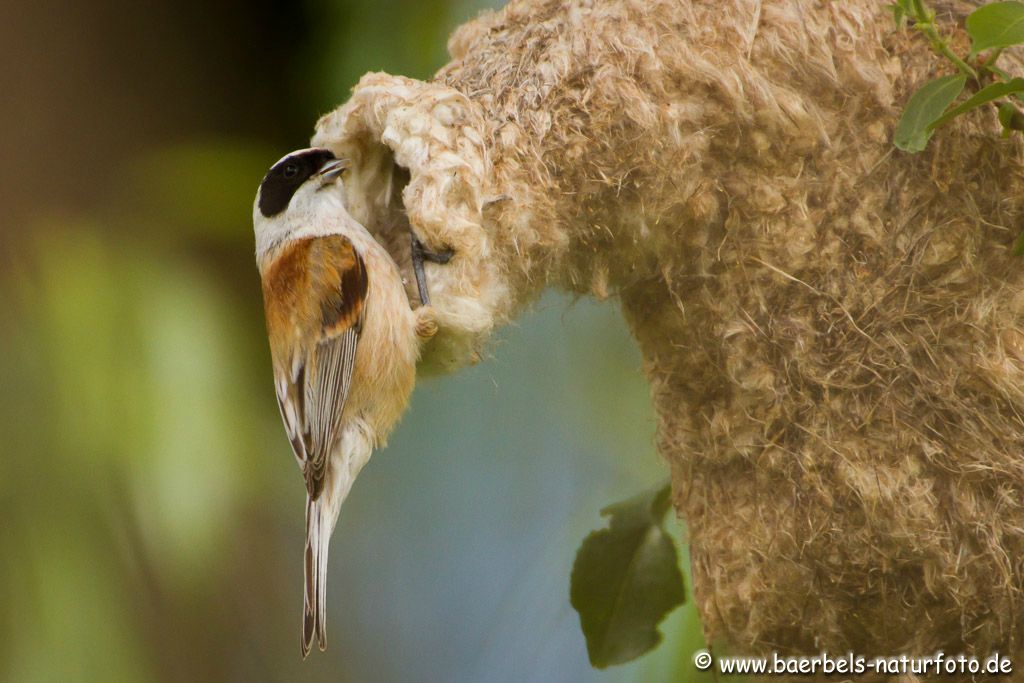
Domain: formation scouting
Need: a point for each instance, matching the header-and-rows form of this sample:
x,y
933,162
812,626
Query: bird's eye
x,y
291,170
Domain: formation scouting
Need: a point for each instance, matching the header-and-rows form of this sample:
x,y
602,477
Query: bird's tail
x,y
314,603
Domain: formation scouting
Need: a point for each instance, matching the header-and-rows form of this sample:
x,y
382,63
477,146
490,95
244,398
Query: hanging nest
x,y
831,327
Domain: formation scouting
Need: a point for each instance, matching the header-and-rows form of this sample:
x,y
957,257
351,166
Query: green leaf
x,y
898,15
1000,24
983,96
900,11
1010,118
925,106
625,580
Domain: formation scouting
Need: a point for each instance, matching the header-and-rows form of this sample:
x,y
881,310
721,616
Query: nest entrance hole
x,y
375,200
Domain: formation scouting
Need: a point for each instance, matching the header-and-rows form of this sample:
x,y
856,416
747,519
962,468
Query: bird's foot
x,y
421,254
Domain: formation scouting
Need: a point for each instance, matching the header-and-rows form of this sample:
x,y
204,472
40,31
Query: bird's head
x,y
297,192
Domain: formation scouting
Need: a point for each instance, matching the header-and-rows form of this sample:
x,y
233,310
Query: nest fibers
x,y
831,327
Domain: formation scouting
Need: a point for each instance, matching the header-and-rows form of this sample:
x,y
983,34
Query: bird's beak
x,y
332,169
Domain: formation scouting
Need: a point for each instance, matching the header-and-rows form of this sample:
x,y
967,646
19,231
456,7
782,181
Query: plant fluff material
x,y
831,327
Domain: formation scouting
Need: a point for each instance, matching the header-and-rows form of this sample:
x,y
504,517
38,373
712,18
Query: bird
x,y
343,342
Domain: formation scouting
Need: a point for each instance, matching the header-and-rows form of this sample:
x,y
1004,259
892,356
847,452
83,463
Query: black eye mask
x,y
286,176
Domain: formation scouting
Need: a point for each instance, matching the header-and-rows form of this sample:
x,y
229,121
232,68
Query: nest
x,y
831,327
418,158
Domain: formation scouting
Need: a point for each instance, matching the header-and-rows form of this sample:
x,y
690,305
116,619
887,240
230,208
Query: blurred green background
x,y
152,514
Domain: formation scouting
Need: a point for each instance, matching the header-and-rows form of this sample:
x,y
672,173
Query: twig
x,y
924,21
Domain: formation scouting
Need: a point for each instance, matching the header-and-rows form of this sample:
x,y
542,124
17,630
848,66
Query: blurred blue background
x,y
152,512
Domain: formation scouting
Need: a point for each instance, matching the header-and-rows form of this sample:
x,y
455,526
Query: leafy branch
x,y
991,28
924,21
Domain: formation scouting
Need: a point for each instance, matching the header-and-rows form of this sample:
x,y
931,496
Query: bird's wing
x,y
314,294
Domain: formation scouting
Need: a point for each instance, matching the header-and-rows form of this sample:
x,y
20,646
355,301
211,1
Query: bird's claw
x,y
421,254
